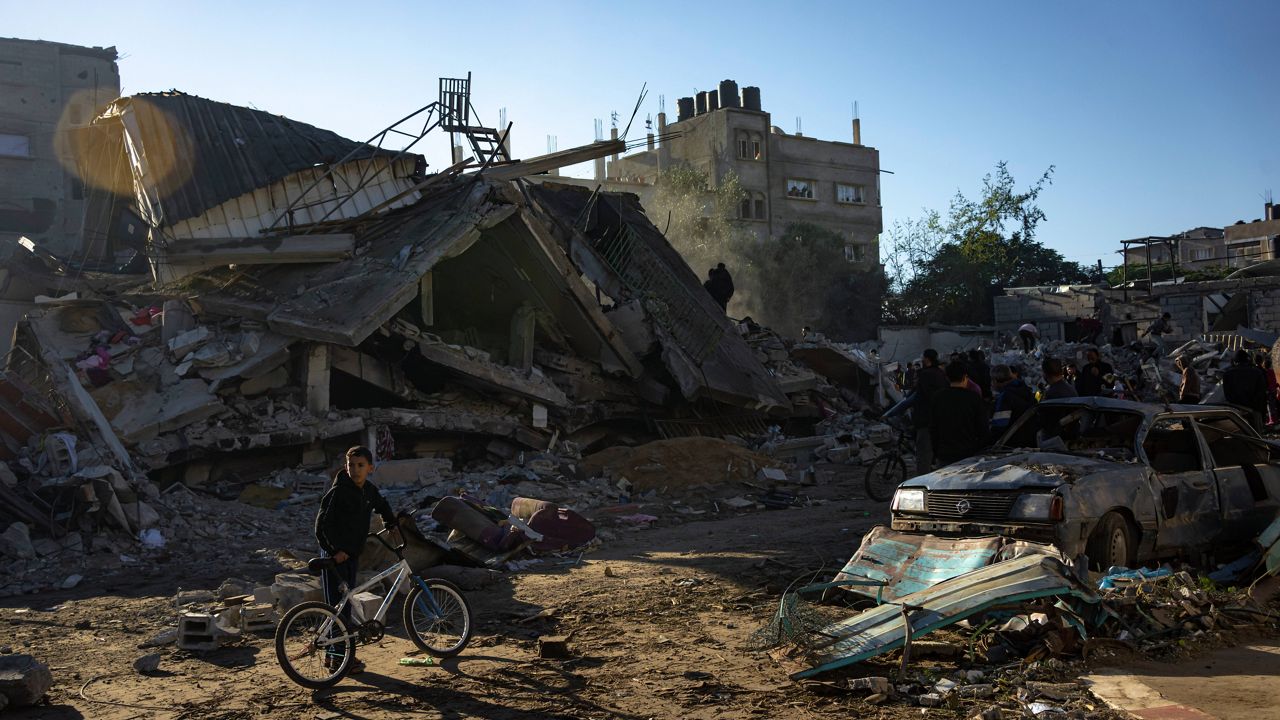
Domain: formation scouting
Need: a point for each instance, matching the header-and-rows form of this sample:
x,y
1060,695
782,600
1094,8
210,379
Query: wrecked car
x,y
1127,482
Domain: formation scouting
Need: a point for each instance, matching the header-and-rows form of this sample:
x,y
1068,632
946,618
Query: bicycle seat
x,y
318,565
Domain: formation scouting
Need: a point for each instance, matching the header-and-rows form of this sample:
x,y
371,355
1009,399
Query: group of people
x,y
719,285
959,408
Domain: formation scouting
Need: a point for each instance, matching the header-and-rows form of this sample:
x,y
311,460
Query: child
x,y
342,526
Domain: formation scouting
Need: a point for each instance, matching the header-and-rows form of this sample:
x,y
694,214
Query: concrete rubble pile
x,y
484,336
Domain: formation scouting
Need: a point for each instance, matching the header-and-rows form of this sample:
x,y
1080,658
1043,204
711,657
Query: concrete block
x,y
290,589
258,617
23,679
273,380
197,632
416,471
365,605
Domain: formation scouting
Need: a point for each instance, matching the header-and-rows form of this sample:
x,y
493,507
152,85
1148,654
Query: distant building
x,y
46,90
1250,242
787,178
1238,245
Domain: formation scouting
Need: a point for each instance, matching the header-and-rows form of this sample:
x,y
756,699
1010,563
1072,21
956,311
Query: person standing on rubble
x,y
1029,334
1189,387
959,424
1245,384
1090,380
1157,330
930,381
719,285
343,524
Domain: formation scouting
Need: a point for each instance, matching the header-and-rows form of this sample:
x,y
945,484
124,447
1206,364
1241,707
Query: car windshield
x,y
1076,430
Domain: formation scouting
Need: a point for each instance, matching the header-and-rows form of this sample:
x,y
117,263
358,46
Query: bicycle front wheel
x,y
310,646
884,476
438,621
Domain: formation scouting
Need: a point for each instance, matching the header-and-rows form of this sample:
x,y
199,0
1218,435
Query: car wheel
x,y
1112,543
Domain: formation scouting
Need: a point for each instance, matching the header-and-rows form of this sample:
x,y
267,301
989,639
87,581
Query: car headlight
x,y
908,500
1037,506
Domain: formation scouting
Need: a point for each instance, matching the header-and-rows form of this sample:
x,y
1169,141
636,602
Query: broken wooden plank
x,y
553,161
376,372
318,248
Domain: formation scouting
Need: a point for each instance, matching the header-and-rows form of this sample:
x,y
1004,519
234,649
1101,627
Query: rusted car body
x,y
1128,482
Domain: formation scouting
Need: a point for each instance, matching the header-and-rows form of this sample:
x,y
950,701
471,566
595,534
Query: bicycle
x,y
888,471
315,647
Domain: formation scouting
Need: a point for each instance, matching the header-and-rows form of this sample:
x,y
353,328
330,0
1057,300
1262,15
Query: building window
x,y
1202,253
757,146
849,194
744,207
800,189
750,145
762,212
855,253
15,145
752,206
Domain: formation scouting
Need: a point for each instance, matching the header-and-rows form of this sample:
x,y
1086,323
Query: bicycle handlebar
x,y
387,545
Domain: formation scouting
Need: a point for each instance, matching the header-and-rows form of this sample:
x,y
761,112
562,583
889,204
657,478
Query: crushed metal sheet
x,y
883,628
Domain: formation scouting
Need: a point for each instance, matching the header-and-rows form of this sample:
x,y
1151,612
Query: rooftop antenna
x,y
502,117
662,103
599,130
613,119
855,110
648,122
799,126
553,144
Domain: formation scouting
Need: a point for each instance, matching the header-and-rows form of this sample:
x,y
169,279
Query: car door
x,y
1248,482
1186,495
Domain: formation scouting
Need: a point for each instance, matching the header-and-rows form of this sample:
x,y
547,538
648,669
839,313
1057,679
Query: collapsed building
x,y
298,293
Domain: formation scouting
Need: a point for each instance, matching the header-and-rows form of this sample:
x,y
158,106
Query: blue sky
x,y
1159,116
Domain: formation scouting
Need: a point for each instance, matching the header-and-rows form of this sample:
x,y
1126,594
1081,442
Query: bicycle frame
x,y
402,571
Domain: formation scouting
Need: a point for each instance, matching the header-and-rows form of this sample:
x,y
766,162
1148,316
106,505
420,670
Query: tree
x,y
696,218
948,269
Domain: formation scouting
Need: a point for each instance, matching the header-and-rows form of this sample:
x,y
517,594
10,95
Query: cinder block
x,y
259,617
197,632
364,606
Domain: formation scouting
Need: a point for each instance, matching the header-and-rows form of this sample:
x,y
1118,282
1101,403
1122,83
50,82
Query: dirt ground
x,y
657,619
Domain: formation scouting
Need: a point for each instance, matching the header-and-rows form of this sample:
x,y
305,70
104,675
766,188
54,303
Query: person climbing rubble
x,y
719,285
1244,384
1160,327
1029,334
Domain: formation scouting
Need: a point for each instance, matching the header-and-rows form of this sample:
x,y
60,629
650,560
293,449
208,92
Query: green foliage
x,y
697,219
948,269
1164,271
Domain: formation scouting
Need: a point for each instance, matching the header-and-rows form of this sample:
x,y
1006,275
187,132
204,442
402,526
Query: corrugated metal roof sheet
x,y
203,152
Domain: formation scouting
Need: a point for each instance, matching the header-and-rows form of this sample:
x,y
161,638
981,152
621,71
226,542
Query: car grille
x,y
970,506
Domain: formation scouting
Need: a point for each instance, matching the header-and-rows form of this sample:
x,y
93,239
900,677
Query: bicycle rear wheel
x,y
438,622
884,476
305,648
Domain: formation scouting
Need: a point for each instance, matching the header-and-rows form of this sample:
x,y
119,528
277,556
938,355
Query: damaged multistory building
x,y
304,293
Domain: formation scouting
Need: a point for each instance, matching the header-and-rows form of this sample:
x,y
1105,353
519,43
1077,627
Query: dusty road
x,y
657,618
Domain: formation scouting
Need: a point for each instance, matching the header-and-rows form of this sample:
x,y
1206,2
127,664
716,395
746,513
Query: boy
x,y
343,524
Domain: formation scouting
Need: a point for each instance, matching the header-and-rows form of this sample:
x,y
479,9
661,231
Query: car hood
x,y
1010,471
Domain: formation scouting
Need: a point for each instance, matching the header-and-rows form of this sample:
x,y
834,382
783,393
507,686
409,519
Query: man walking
x,y
930,381
959,423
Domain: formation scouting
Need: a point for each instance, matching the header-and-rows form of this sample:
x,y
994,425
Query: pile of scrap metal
x,y
307,293
995,600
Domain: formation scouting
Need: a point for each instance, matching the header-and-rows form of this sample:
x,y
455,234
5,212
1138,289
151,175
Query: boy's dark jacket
x,y
343,520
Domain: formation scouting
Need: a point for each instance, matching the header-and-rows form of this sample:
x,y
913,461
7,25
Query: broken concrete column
x,y
426,298
523,325
317,375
